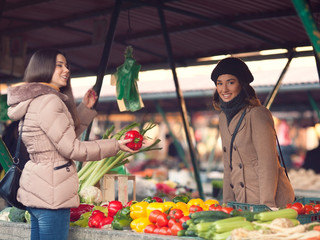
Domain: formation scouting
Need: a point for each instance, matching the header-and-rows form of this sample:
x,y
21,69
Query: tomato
x,y
171,222
153,215
215,207
316,208
163,231
195,208
299,207
176,213
176,228
149,228
309,209
289,205
227,209
136,139
184,219
156,230
162,220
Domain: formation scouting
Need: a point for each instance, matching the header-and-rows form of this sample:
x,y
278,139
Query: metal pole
x,y
182,102
310,26
270,98
105,55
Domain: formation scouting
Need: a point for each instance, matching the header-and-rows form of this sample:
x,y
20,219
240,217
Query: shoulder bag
x,y
9,185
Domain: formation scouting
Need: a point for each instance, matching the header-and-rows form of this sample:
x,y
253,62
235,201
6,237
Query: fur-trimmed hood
x,y
19,97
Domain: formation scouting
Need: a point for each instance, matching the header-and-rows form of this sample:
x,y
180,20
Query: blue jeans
x,y
48,224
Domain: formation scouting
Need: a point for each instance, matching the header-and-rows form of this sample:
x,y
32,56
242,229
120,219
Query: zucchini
x,y
271,215
204,227
227,227
221,236
217,214
190,221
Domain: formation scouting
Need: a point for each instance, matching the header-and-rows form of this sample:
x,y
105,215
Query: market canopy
x,y
197,29
163,34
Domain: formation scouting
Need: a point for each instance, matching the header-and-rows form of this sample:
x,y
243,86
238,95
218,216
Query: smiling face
x,y
60,76
228,87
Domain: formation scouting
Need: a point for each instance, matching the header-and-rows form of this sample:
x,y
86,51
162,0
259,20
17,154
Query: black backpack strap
x,y
17,153
234,135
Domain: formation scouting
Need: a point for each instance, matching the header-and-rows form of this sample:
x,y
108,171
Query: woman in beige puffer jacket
x,y
52,123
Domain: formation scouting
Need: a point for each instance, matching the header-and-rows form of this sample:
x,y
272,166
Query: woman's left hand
x,y
90,98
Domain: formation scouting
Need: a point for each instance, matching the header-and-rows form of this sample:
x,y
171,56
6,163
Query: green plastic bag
x,y
125,79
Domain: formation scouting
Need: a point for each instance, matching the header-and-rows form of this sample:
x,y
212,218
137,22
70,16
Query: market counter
x,y
21,231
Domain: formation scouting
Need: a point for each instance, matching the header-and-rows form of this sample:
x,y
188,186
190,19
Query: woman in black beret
x,y
252,171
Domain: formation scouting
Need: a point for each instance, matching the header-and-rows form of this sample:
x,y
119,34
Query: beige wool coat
x,y
256,176
51,141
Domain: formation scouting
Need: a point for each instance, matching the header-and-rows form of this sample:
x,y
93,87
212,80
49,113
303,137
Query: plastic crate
x,y
248,207
308,218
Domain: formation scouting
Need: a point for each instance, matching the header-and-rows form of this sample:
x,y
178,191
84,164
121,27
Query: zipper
x,y
66,165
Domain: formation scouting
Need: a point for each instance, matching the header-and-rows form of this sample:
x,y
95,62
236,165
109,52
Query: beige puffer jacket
x,y
51,141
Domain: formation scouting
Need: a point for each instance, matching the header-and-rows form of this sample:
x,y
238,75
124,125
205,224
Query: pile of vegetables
x,y
92,172
13,214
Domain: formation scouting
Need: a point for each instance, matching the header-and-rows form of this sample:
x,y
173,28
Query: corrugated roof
x,y
196,28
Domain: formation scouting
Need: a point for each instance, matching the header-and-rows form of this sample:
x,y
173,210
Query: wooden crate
x,y
108,187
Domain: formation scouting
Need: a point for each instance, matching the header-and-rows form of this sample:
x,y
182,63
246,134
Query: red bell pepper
x,y
136,139
114,207
158,199
95,219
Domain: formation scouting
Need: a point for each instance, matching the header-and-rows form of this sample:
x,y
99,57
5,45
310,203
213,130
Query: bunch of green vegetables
x,y
92,172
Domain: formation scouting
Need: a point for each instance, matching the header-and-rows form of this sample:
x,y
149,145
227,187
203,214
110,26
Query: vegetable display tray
x,y
249,207
308,218
303,218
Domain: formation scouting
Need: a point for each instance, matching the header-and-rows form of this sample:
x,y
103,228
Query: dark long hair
x,y
41,68
250,100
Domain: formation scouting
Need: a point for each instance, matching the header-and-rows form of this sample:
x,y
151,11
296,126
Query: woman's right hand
x,y
123,146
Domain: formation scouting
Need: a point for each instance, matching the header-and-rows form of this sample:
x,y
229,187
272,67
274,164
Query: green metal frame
x,y
5,156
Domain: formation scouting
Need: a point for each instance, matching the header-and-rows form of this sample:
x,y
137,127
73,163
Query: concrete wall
x,y
21,231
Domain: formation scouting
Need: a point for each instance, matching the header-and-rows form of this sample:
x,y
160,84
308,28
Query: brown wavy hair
x,y
41,68
251,98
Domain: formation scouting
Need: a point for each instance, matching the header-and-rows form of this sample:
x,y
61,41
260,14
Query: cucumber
x,y
190,233
181,233
248,215
205,219
185,225
217,214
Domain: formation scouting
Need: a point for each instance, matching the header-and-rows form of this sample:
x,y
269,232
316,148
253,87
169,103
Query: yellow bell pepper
x,y
155,206
138,210
168,205
184,207
197,202
139,224
209,202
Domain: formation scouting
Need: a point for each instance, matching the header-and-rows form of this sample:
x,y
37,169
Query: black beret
x,y
233,66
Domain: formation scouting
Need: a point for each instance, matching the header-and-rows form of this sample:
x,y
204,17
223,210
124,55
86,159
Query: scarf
x,y
232,107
